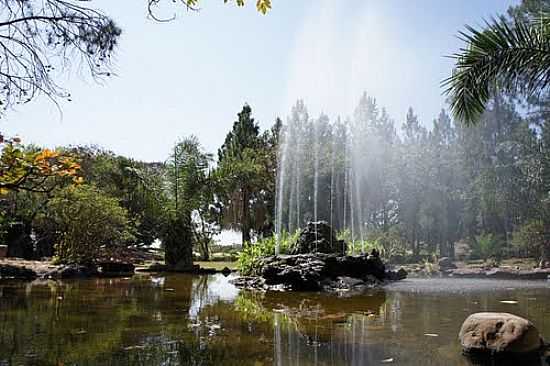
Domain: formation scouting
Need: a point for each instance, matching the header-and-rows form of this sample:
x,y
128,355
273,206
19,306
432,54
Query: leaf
x,y
263,6
508,301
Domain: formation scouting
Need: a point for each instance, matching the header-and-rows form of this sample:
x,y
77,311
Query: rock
x,y
225,271
398,275
73,271
319,271
3,251
445,264
17,273
115,269
500,273
155,267
499,334
318,237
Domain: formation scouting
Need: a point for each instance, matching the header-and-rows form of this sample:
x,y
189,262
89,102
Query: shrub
x,y
486,246
530,238
389,244
250,258
87,221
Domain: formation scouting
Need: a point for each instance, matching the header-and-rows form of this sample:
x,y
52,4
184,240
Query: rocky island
x,y
318,262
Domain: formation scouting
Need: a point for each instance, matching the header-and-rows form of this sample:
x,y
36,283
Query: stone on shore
x,y
497,334
72,271
446,264
16,273
115,269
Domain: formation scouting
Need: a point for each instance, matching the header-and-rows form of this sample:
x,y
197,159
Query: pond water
x,y
204,320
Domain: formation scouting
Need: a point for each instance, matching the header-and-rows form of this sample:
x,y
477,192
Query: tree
x,y
241,161
34,170
39,40
88,222
509,56
194,190
263,6
502,56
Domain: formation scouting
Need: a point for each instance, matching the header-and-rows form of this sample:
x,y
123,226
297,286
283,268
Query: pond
x,y
204,320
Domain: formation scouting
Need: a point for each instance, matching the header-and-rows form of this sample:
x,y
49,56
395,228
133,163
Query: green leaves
x,y
88,221
263,6
504,56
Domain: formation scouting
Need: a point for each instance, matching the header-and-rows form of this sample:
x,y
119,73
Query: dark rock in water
x,y
115,269
225,271
320,238
319,271
398,275
445,264
155,267
17,273
73,271
19,241
499,334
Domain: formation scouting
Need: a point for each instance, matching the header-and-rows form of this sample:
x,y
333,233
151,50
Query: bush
x,y
388,244
88,221
249,259
486,246
530,238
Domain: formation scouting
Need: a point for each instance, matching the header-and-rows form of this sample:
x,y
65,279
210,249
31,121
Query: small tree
x,y
88,221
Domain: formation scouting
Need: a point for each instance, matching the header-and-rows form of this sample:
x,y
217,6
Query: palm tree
x,y
507,55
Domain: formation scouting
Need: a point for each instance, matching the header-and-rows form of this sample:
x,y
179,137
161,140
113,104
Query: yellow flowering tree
x,y
34,170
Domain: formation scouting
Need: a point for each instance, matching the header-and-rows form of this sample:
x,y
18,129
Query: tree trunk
x,y
178,245
245,225
545,250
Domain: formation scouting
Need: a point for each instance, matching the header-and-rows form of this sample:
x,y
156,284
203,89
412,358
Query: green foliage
x,y
505,54
194,188
388,244
486,246
88,222
249,259
530,238
34,170
247,173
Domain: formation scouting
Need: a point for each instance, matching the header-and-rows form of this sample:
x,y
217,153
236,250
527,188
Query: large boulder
x,y
497,334
318,237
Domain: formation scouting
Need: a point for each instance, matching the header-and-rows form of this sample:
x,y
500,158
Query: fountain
x,y
327,172
323,173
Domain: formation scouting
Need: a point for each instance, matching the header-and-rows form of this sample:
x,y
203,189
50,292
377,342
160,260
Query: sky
x,y
192,76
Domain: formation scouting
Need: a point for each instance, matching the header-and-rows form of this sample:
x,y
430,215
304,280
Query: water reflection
x,y
185,320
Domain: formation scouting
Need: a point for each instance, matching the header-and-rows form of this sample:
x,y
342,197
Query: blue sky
x,y
192,75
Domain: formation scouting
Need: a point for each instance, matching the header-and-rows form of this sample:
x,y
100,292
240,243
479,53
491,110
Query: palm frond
x,y
505,56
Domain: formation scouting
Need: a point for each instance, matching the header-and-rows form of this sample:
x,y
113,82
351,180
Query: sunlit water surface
x,y
192,320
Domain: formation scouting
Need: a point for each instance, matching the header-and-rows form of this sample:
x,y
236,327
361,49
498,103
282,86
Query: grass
x,y
217,265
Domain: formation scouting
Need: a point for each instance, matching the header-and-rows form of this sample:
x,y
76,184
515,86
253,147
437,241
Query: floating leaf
x,y
508,301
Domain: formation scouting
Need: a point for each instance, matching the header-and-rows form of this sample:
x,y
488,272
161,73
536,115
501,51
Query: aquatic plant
x,y
249,259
